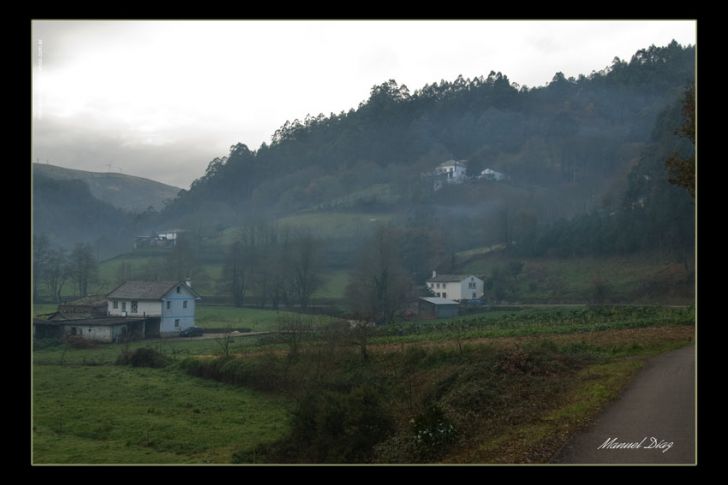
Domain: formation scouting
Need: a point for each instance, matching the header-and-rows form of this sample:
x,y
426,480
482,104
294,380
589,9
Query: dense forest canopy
x,y
652,214
576,135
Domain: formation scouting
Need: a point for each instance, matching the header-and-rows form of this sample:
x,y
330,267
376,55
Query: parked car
x,y
191,332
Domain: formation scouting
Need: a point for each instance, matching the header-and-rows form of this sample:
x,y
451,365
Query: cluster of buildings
x,y
164,239
455,172
134,310
151,309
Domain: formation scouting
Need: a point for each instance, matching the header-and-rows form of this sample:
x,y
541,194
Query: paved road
x,y
657,408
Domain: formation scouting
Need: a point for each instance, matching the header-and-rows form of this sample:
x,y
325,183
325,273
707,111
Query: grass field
x,y
106,354
257,320
641,278
113,414
515,384
223,316
336,225
509,399
644,278
529,322
334,285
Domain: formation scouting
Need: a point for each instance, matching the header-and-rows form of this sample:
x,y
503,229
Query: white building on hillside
x,y
456,287
490,174
172,301
453,171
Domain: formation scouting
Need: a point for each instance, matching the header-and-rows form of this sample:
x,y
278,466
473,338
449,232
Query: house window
x,y
176,322
438,293
123,306
134,307
73,330
169,303
184,304
116,304
178,289
474,297
444,295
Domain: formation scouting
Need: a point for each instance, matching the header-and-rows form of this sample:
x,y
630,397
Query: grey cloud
x,y
85,148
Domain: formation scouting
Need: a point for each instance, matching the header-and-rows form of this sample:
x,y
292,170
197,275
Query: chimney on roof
x,y
434,274
188,282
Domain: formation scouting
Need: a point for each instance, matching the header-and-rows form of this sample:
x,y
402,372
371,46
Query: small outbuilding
x,y
436,307
106,329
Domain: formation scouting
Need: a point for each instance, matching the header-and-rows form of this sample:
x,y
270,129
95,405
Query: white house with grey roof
x,y
172,301
456,287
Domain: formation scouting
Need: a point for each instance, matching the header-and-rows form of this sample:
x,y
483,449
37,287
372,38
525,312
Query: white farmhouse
x,y
490,174
172,301
456,287
453,171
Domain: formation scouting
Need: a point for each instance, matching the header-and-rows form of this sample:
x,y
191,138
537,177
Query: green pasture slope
x,y
254,319
88,410
115,414
644,278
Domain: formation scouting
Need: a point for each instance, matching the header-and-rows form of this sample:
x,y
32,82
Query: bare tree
x,y
293,330
83,267
124,272
237,270
57,272
41,248
305,268
225,341
362,330
379,285
183,260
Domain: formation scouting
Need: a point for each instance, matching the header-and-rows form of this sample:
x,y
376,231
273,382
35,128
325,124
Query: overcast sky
x,y
162,99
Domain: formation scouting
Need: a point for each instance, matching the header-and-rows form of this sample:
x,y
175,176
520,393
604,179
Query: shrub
x,y
144,357
45,343
433,432
337,427
78,342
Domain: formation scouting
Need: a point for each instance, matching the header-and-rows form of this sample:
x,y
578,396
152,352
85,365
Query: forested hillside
x,y
574,140
650,214
585,177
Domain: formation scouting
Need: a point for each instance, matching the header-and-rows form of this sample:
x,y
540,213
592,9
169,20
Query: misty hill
x,y
566,146
127,192
67,213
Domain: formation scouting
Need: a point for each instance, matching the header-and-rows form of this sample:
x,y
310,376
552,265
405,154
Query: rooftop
x,y
453,162
448,278
436,300
105,321
91,300
146,290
